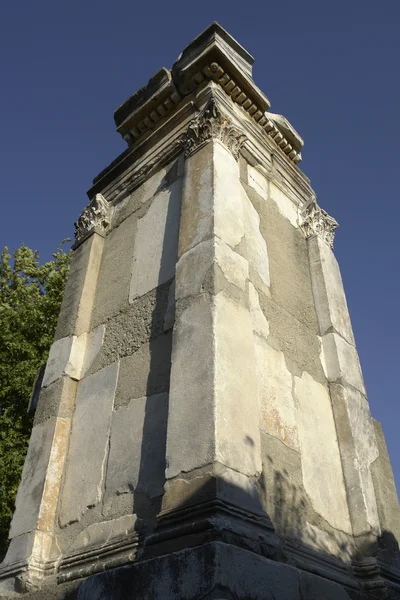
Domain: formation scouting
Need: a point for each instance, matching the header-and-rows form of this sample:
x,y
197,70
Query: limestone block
x,y
385,487
38,491
73,355
104,532
37,545
321,463
146,372
80,289
322,541
56,400
112,293
213,413
65,358
235,388
137,447
257,181
213,482
228,225
341,361
211,203
194,265
256,246
285,205
358,450
329,296
260,323
277,407
191,423
156,243
88,444
93,343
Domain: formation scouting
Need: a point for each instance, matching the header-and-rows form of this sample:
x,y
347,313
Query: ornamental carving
x,y
212,124
96,214
316,221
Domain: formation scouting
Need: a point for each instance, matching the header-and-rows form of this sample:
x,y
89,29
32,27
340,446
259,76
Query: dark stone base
x,y
215,571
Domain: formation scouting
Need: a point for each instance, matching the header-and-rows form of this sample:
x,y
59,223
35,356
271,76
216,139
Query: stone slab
x,y
214,570
88,444
321,463
341,362
156,242
98,534
80,289
30,491
277,405
329,296
137,448
256,245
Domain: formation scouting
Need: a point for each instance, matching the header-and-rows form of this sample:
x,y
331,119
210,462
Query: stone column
x,y
33,549
354,426
213,439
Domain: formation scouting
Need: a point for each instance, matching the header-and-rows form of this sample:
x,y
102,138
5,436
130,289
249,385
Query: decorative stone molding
x,y
216,73
316,221
96,214
211,123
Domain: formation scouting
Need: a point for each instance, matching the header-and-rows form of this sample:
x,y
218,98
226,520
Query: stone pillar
x,y
354,426
213,439
33,550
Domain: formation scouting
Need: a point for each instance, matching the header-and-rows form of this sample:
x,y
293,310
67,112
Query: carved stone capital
x,y
212,124
96,214
316,221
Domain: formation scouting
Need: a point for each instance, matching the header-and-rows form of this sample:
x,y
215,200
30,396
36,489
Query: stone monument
x,y
203,429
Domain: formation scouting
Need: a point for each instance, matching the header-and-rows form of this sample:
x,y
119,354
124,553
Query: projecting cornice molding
x,y
212,124
316,221
213,56
95,215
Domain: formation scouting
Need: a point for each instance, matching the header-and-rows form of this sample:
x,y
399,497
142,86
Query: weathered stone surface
x,y
38,494
330,299
56,400
213,357
358,449
156,243
79,294
211,202
260,323
112,292
88,445
65,358
298,342
191,428
146,372
256,246
137,447
341,361
313,587
285,205
130,329
195,264
321,464
93,344
214,570
275,382
385,487
288,262
101,533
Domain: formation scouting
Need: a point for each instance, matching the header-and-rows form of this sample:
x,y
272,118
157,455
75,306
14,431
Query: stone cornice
x,y
212,124
316,221
213,56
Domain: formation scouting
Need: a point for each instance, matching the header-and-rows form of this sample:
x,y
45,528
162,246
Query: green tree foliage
x,y
30,299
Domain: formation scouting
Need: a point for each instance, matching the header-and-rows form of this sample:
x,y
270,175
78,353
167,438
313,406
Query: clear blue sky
x,y
332,68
